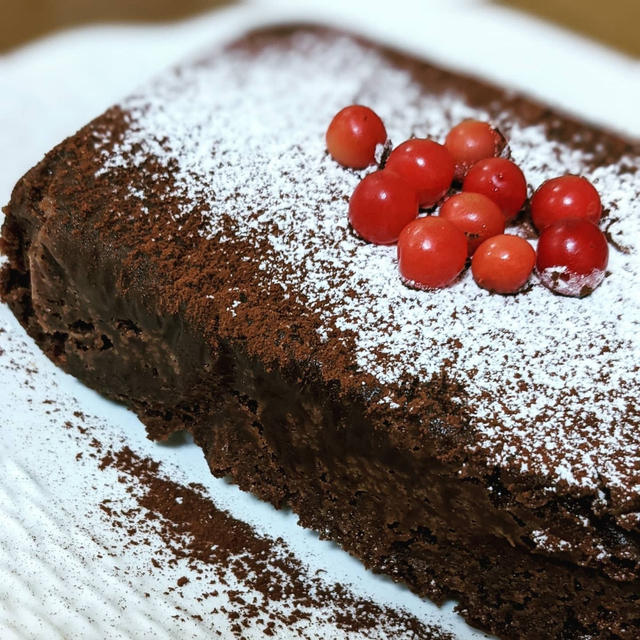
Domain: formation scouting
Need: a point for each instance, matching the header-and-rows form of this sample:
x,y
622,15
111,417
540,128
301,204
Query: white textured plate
x,y
57,579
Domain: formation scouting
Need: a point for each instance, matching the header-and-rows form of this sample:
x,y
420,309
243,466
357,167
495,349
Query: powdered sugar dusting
x,y
567,283
552,381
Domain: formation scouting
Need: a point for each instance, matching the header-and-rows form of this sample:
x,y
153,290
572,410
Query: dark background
x,y
613,22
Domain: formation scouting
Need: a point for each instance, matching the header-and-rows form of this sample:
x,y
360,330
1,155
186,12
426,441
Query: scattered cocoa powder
x,y
213,542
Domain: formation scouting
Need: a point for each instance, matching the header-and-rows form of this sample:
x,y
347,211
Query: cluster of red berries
x,y
433,250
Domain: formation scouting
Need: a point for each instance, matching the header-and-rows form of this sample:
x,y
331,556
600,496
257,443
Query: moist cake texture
x,y
188,254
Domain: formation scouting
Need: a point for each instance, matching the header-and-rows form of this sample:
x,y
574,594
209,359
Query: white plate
x,y
57,580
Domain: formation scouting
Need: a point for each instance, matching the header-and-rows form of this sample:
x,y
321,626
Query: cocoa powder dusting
x,y
214,543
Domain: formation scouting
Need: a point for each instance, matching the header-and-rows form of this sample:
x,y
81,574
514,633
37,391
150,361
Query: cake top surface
x,y
236,142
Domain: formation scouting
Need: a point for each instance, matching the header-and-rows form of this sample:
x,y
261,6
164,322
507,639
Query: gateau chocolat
x,y
188,254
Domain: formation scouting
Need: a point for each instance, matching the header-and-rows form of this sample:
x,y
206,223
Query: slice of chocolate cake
x,y
188,254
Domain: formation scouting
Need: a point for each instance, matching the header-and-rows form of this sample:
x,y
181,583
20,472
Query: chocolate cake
x,y
188,254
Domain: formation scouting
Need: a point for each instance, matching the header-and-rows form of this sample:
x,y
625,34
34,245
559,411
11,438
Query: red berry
x,y
381,206
572,257
426,165
503,263
353,135
502,181
470,141
431,253
475,215
565,197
